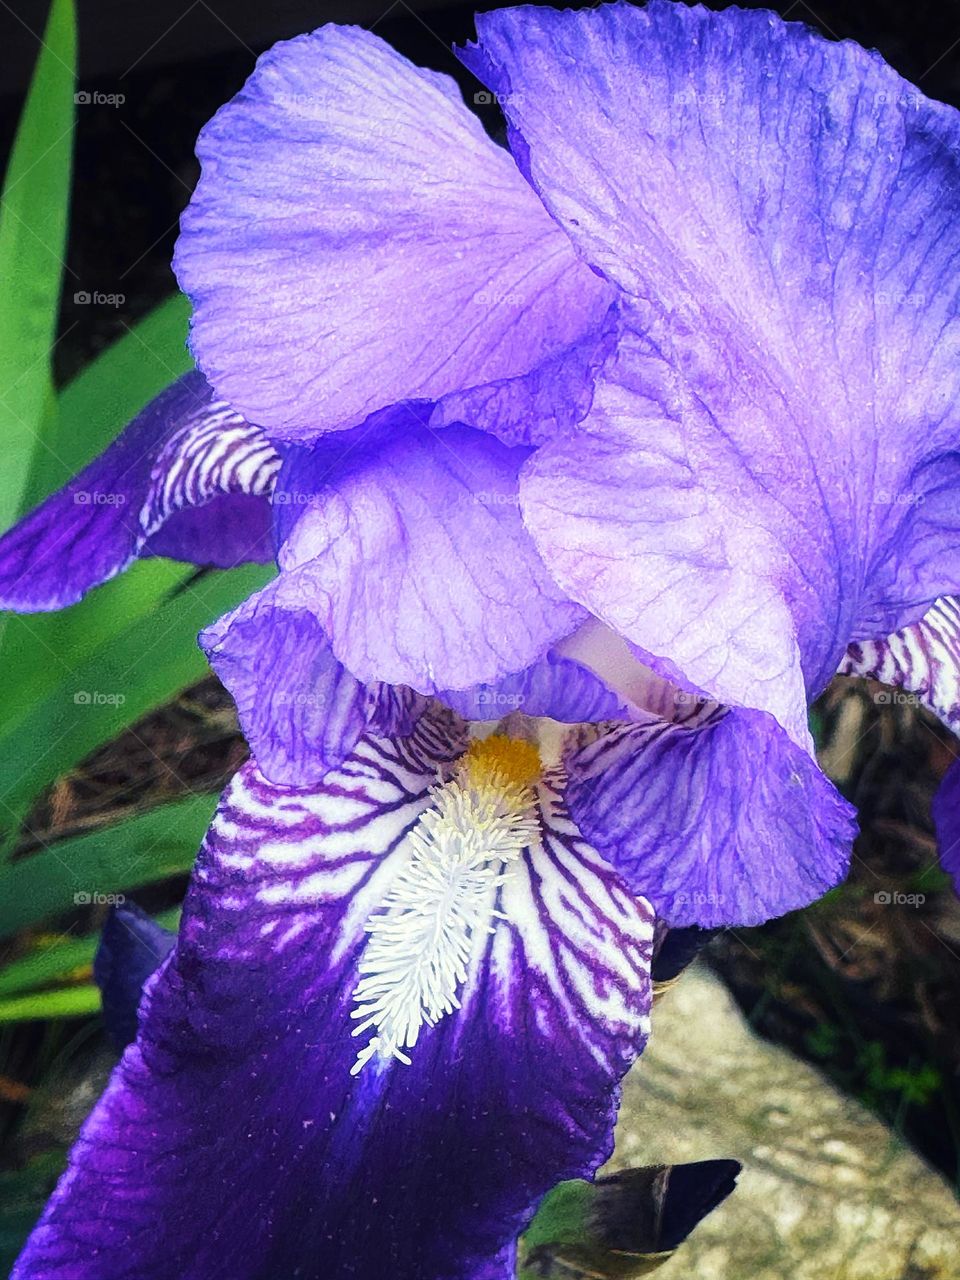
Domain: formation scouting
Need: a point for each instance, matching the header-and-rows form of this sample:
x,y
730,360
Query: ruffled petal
x,y
356,239
411,553
783,213
301,711
533,408
724,823
621,515
188,478
924,659
555,687
233,1139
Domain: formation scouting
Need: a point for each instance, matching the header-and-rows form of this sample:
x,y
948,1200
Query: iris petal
x,y
188,478
781,214
356,229
923,658
946,818
233,1139
726,822
410,551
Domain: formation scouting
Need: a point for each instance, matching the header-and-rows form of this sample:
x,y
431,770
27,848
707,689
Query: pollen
x,y
423,937
501,760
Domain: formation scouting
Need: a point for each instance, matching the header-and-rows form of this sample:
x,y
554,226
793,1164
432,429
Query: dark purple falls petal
x,y
233,1141
188,479
132,947
724,822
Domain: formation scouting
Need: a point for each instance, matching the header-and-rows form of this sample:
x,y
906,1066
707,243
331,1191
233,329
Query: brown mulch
x,y
191,745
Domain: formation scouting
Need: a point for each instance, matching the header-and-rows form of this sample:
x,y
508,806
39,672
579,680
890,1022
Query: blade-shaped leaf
x,y
34,208
142,850
55,959
624,1225
136,670
66,1002
94,408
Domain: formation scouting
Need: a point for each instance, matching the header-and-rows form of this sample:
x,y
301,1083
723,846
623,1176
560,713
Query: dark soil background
x,y
867,991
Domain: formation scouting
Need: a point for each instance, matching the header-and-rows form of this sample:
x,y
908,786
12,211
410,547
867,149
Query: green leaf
x,y
35,651
34,209
142,850
623,1225
111,390
41,649
67,1002
140,668
23,1193
53,960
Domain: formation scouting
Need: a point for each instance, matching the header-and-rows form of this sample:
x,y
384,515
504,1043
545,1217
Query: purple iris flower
x,y
647,425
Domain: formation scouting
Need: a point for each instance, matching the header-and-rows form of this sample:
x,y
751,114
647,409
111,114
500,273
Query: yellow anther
x,y
499,759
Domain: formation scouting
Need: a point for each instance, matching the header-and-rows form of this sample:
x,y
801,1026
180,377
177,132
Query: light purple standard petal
x,y
923,658
555,396
301,711
621,515
783,214
356,239
408,547
726,822
555,687
188,478
234,1132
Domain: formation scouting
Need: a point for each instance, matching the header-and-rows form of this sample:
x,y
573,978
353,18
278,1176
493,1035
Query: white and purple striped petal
x,y
722,821
233,1139
923,658
188,478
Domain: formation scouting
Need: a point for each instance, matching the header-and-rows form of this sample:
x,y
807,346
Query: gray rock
x,y
827,1192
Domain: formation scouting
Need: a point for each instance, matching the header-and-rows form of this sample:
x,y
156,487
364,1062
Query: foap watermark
x,y
494,299
704,102
495,499
94,898
894,299
896,698
888,498
95,698
492,700
96,98
698,899
485,98
96,298
912,101
287,699
294,498
893,898
98,498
